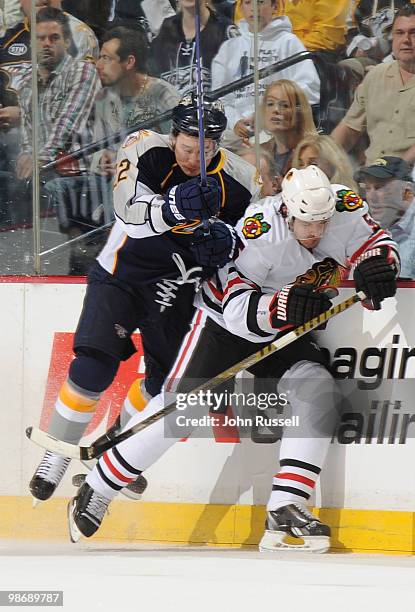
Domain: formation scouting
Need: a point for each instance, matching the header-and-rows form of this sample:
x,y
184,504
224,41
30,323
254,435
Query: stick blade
x,y
45,440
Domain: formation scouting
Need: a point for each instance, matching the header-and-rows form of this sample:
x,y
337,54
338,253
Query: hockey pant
x,y
207,350
112,311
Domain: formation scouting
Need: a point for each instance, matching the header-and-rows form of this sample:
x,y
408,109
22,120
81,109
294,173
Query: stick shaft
x,y
199,91
241,365
92,452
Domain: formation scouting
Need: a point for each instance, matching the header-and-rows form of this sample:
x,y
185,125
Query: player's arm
x,y
374,257
143,212
259,316
376,267
354,124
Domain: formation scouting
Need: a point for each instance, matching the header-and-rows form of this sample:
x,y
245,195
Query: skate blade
x,y
74,533
78,480
35,502
279,541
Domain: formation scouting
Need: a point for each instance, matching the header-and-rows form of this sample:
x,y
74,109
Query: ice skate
x,y
86,512
48,475
296,521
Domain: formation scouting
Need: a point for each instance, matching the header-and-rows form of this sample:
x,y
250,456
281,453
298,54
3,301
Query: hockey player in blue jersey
x,y
146,275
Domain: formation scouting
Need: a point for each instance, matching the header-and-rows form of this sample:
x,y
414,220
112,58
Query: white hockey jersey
x,y
239,296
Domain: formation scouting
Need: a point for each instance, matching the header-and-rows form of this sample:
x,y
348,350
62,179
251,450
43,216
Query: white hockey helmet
x,y
308,195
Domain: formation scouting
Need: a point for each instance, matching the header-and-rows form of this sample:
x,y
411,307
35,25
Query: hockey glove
x,y
375,276
191,200
218,247
297,304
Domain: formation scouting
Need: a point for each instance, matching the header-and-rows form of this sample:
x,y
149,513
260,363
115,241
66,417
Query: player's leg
x,y
206,350
99,345
316,401
162,333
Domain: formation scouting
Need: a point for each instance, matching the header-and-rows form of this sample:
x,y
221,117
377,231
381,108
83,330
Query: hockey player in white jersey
x,y
294,247
146,274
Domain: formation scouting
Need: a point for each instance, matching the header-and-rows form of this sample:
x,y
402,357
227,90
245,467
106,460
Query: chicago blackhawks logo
x,y
348,200
321,273
254,226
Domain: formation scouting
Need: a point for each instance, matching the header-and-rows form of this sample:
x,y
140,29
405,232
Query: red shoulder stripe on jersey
x,y
367,244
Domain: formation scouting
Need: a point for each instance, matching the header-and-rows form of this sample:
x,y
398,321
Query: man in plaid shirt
x,y
67,91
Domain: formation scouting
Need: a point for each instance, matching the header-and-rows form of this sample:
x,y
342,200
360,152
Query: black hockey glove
x,y
218,247
191,200
297,304
375,276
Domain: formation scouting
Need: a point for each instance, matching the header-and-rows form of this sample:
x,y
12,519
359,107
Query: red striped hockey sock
x,y
111,474
294,483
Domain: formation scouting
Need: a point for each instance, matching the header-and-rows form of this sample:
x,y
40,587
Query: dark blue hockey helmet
x,y
185,117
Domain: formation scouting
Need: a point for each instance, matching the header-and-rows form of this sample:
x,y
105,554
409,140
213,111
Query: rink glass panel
x,y
64,232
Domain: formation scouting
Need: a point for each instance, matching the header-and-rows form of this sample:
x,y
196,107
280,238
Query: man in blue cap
x,y
390,193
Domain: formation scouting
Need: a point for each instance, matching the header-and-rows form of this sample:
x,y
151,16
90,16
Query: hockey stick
x,y
257,147
93,451
200,108
199,94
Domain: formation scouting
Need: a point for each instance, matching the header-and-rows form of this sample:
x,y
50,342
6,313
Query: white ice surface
x,y
99,577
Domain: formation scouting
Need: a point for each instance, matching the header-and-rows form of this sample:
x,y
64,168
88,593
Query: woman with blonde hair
x,y
286,115
323,152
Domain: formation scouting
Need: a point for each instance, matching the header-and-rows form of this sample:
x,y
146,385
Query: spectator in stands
x,y
84,45
320,24
383,102
287,117
235,60
15,63
67,91
15,56
10,15
130,96
372,41
226,7
95,13
390,193
238,14
173,50
321,150
149,16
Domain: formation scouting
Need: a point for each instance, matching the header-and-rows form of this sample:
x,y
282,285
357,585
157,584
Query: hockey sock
x,y
315,399
111,474
136,401
119,466
294,483
74,410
